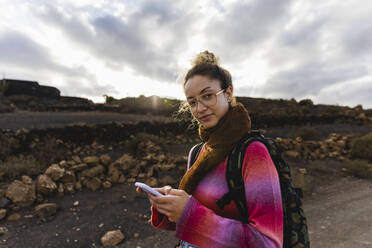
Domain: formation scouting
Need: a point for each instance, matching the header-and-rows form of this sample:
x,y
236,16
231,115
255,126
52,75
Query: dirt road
x,y
41,120
340,215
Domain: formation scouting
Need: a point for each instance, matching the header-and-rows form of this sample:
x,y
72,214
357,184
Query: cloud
x,y
245,26
287,48
308,80
86,89
350,93
18,50
147,40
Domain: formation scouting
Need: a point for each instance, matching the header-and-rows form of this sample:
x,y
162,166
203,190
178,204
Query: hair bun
x,y
205,57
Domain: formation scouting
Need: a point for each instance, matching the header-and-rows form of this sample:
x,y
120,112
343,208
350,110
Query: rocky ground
x,y
337,206
338,211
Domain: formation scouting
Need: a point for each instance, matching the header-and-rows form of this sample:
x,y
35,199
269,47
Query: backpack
x,y
295,231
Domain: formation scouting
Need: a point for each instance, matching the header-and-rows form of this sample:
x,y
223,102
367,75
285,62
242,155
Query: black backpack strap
x,y
195,153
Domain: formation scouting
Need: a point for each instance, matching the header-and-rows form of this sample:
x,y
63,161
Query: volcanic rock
x,y
152,182
45,185
3,230
292,154
105,160
26,179
91,160
21,194
167,180
60,189
46,210
112,238
76,159
114,173
68,177
55,172
92,172
14,217
126,162
79,167
93,184
69,188
107,184
2,213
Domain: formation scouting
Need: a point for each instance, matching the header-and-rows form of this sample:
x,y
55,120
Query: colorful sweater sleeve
x,y
202,227
160,221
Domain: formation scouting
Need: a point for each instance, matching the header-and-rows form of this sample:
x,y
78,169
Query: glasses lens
x,y
208,99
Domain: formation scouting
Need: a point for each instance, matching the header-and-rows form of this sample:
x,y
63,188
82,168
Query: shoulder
x,y
257,160
257,149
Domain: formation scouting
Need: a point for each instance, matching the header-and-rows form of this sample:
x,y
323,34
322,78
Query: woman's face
x,y
198,86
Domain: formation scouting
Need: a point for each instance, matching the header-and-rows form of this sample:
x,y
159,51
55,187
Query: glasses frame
x,y
198,100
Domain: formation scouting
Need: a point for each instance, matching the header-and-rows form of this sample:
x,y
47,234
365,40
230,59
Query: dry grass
x,y
15,167
361,148
307,133
359,168
7,146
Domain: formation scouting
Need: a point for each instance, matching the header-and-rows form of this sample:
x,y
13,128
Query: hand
x,y
172,204
164,190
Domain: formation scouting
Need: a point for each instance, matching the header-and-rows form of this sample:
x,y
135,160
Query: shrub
x,y
21,99
308,133
4,108
8,145
15,167
49,151
306,102
362,147
359,168
2,89
109,99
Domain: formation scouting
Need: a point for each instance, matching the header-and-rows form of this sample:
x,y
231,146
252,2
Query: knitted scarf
x,y
220,140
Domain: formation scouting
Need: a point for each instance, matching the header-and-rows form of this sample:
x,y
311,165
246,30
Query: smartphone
x,y
148,189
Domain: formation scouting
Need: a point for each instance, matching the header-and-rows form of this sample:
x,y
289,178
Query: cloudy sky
x,y
317,49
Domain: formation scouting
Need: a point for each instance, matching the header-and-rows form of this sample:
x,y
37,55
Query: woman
x,y
191,210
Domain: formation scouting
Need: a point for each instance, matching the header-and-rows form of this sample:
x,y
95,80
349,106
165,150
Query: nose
x,y
200,107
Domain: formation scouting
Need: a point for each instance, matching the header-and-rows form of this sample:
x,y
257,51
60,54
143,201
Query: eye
x,y
207,96
192,102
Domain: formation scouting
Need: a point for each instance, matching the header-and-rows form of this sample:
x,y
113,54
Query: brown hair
x,y
204,64
207,64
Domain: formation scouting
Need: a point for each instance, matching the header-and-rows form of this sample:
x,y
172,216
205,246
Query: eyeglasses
x,y
207,99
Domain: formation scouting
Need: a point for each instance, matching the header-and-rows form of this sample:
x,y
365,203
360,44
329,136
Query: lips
x,y
205,117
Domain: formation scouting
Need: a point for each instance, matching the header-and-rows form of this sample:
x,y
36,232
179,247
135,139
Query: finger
x,y
177,192
167,189
164,189
139,190
164,211
167,207
167,199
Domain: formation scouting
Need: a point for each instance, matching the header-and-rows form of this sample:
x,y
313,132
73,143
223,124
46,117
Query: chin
x,y
208,124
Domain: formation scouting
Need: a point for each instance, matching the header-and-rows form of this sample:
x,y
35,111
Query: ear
x,y
229,93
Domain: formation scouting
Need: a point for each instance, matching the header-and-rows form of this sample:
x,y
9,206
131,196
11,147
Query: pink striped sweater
x,y
204,224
